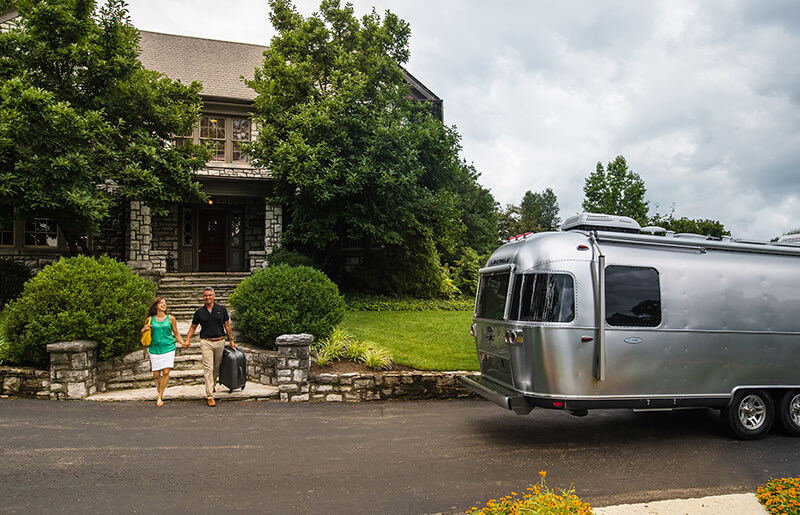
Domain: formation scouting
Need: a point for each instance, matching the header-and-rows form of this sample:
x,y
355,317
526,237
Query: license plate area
x,y
496,367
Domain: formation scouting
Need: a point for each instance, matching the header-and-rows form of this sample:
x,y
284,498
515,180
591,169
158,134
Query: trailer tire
x,y
789,410
750,414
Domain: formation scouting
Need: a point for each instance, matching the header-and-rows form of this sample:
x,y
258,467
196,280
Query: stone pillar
x,y
273,226
73,369
291,366
140,236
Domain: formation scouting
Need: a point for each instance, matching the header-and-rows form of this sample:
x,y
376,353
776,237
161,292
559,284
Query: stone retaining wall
x,y
25,382
76,373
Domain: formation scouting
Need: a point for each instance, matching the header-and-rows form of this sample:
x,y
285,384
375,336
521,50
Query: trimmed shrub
x,y
77,298
282,256
12,278
286,300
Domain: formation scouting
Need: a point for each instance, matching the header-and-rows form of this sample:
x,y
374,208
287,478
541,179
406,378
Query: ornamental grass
x,y
781,496
537,499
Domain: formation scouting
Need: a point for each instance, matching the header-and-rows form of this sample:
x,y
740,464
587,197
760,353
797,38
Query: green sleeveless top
x,y
163,341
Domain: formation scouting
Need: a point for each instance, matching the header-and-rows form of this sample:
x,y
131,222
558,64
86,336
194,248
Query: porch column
x,y
273,227
140,236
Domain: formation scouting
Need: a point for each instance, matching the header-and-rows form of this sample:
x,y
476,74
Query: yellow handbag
x,y
147,336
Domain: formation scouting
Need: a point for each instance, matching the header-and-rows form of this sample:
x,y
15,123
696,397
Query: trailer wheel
x,y
750,415
790,412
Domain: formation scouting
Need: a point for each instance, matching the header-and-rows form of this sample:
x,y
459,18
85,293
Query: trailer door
x,y
633,311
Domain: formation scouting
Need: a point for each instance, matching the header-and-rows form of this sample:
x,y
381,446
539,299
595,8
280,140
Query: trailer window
x,y
492,296
633,296
543,298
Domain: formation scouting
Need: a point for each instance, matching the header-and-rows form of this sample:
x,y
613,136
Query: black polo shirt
x,y
212,325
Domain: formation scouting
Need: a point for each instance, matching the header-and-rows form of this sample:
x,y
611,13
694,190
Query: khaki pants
x,y
212,357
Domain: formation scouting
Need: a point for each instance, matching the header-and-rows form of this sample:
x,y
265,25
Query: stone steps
x,y
184,291
145,379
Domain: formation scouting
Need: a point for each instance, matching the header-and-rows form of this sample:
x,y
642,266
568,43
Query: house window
x,y
41,232
241,134
225,135
6,233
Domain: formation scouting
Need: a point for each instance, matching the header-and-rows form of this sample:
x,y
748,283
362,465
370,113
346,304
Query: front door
x,y
212,241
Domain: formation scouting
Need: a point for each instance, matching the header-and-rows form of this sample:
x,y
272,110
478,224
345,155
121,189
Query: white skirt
x,y
162,361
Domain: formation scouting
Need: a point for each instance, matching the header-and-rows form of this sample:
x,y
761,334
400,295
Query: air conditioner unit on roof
x,y
601,222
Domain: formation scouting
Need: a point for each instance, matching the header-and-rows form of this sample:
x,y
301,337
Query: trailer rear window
x,y
633,296
543,298
492,293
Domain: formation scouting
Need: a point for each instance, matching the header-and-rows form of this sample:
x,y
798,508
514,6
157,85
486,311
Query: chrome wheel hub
x,y
794,409
753,411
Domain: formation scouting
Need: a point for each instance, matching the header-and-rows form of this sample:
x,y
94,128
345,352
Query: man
x,y
214,323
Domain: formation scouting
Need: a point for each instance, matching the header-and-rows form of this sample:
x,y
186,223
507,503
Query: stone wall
x,y
25,382
375,386
75,373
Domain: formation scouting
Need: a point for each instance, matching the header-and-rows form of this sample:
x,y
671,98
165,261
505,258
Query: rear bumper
x,y
497,393
521,404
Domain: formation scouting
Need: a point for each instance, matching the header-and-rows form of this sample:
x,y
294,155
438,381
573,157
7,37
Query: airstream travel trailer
x,y
602,316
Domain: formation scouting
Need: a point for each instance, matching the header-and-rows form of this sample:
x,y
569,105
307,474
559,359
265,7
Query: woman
x,y
162,346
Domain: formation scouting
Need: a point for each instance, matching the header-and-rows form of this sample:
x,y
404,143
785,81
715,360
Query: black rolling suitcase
x,y
233,369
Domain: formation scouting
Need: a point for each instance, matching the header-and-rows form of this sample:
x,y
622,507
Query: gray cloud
x,y
703,99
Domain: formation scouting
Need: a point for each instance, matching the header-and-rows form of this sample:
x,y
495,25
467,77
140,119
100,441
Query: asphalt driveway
x,y
387,457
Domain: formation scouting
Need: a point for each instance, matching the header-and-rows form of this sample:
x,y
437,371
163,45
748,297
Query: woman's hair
x,y
154,307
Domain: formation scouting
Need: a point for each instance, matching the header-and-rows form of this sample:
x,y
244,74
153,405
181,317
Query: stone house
x,y
237,229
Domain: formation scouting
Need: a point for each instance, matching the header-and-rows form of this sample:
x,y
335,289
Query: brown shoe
x,y
212,402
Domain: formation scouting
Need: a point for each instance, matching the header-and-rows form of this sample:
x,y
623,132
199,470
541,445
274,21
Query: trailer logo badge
x,y
633,339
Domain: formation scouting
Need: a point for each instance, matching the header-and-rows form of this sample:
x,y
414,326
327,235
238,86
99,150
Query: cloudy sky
x,y
702,98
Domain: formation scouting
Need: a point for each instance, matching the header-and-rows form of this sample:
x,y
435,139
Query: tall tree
x,y
683,224
539,211
478,212
351,156
83,123
509,223
616,190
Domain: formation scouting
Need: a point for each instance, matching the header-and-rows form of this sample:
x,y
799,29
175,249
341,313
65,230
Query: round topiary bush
x,y
78,298
286,300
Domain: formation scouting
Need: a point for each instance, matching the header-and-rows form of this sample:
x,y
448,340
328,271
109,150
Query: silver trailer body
x,y
585,319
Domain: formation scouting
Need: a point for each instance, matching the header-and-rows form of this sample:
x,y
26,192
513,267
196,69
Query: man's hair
x,y
208,288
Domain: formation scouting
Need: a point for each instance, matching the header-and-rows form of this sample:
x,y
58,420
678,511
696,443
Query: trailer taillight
x,y
512,337
472,330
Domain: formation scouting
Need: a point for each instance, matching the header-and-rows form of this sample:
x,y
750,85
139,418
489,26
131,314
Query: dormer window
x,y
224,135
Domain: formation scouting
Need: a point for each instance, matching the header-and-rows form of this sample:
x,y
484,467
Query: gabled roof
x,y
218,65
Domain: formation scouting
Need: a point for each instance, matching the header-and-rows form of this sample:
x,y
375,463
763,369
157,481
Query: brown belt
x,y
215,339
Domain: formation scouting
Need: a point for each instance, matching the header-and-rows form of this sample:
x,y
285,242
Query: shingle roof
x,y
218,65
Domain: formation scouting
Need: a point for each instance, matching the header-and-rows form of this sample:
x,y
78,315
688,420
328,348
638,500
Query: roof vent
x,y
601,222
789,239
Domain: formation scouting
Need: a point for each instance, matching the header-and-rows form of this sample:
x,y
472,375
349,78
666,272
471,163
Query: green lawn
x,y
425,340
